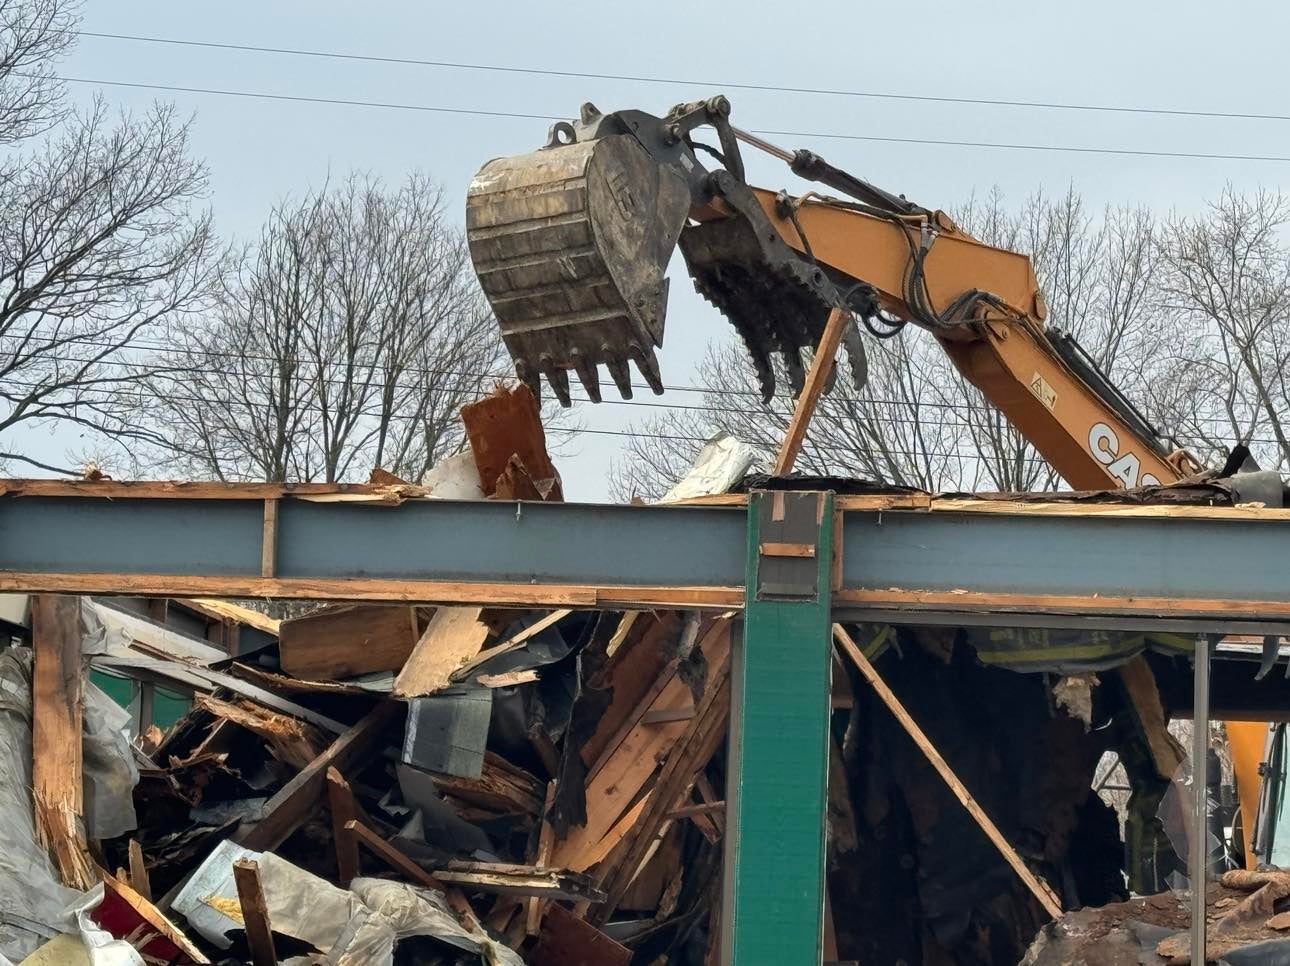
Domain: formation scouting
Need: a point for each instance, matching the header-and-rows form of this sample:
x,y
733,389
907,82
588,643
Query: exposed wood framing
x,y
269,540
592,596
1047,899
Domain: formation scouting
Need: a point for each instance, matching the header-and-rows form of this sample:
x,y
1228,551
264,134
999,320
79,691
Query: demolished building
x,y
547,769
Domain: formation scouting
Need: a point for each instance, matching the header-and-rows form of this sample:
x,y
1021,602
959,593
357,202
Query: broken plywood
x,y
343,642
508,424
452,639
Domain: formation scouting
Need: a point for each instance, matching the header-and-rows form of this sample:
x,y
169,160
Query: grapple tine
x,y
796,373
856,356
524,372
587,374
620,373
832,376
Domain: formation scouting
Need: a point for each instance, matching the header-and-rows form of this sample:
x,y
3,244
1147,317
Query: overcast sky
x,y
1222,57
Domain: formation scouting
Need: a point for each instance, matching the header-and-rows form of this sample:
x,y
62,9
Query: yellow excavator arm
x,y
571,244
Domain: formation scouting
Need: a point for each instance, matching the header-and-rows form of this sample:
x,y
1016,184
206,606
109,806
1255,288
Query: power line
x,y
965,405
690,82
837,450
940,423
939,142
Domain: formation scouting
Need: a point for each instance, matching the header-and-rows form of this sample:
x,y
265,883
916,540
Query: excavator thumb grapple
x,y
571,244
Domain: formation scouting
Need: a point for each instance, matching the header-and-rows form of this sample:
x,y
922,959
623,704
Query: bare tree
x,y
1219,372
348,337
34,34
100,240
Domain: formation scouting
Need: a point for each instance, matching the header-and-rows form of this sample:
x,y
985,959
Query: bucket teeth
x,y
559,380
587,374
524,372
621,374
647,363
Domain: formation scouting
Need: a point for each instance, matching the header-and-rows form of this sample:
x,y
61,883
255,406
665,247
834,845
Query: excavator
x,y
571,244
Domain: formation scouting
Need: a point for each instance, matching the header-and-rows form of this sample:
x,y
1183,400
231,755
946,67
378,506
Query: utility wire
x,y
691,82
953,407
940,142
942,422
835,449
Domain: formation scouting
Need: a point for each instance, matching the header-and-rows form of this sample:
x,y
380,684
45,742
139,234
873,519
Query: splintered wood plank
x,y
255,912
340,799
57,687
293,742
454,636
566,940
534,907
344,641
227,610
685,759
295,800
1140,684
153,916
627,768
510,644
139,880
635,674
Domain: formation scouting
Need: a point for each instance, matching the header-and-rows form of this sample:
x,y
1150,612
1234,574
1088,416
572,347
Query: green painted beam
x,y
774,896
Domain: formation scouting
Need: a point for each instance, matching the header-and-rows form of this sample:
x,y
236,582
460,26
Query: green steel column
x,y
774,884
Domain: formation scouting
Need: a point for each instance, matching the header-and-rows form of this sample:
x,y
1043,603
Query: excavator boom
x,y
572,242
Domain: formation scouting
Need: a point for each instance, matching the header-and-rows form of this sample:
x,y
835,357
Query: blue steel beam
x,y
417,540
1243,557
1206,563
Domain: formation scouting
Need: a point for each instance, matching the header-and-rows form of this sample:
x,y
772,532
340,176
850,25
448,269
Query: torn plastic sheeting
x,y
355,927
723,462
104,948
210,894
454,478
409,911
300,904
30,891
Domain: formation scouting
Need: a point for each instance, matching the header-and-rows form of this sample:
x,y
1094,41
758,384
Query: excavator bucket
x,y
571,244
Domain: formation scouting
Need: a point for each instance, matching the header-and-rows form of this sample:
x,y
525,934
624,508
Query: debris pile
x,y
387,784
